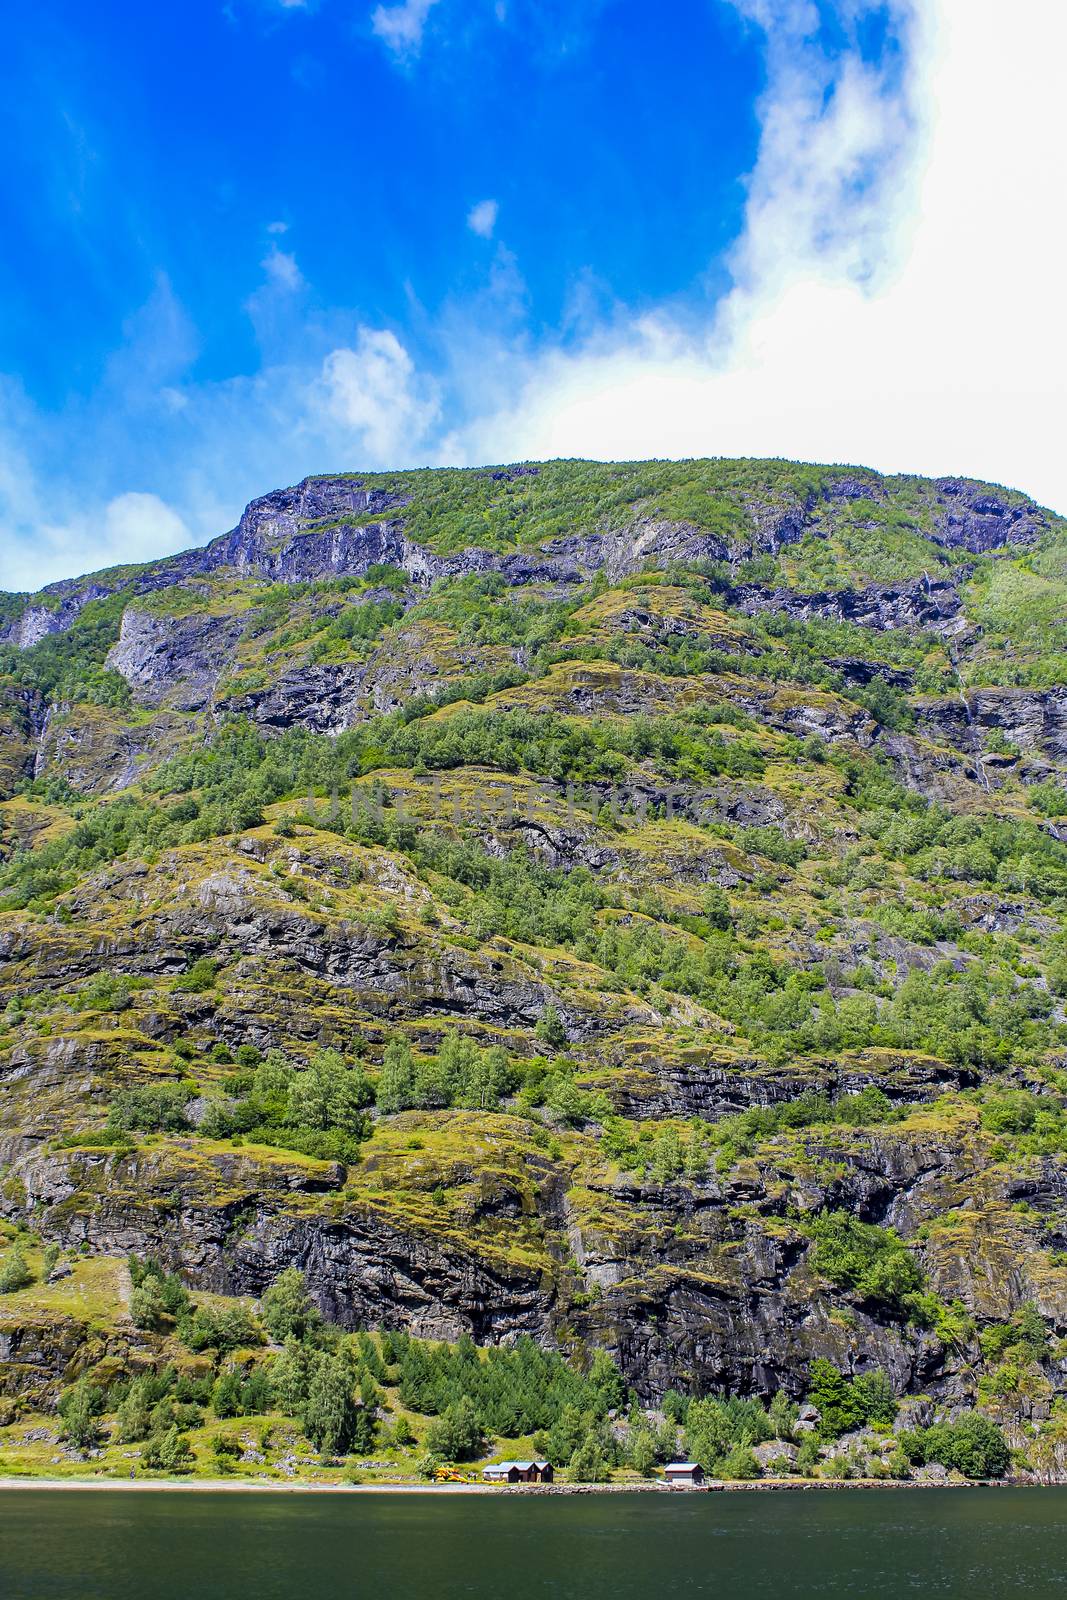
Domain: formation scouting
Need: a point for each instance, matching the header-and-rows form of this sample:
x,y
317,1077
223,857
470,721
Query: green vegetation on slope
x,y
618,973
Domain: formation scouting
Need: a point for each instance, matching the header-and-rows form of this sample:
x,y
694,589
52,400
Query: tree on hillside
x,y
457,1435
329,1412
287,1309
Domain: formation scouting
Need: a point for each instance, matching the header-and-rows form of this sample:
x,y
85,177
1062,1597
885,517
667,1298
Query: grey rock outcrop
x,y
1033,720
340,526
932,603
177,661
974,517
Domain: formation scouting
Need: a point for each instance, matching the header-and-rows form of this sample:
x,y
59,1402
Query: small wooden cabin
x,y
684,1474
519,1472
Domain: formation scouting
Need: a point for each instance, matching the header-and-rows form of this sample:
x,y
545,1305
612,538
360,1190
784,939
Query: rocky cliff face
x,y
715,808
341,526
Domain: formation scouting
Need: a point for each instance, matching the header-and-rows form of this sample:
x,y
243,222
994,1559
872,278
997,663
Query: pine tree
x,y
287,1310
403,1433
329,1411
550,1029
397,1087
226,1394
289,1377
370,1396
146,1304
256,1393
134,1416
606,1378
587,1464
565,1435
783,1414
643,1453
370,1356
364,1430
78,1408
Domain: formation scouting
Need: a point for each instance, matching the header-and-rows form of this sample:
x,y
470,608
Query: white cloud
x,y
400,27
375,395
205,448
281,269
131,527
481,219
277,227
897,294
896,300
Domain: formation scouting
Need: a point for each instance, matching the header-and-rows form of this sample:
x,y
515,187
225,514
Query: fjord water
x,y
814,1545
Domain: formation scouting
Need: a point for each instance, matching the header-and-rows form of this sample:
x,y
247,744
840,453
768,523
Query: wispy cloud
x,y
400,27
374,392
481,219
897,296
281,269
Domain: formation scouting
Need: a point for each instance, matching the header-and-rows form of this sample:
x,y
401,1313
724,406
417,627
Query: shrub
x,y
550,1029
808,1455
155,1298
169,1451
199,978
873,1262
845,1404
154,1108
974,1446
14,1271
329,1095
219,1328
1015,1112
740,1463
226,1450
714,1428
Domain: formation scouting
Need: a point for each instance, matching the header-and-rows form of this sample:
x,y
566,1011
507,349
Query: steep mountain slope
x,y
557,899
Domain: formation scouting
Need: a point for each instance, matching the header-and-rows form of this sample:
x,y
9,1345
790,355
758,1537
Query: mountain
x,y
620,904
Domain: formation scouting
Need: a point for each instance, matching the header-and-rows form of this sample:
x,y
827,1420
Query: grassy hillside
x,y
614,911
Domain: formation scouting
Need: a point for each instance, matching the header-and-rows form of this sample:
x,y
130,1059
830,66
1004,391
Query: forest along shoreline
x,y
775,1486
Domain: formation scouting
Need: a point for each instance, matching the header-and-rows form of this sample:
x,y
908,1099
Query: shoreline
x,y
528,1491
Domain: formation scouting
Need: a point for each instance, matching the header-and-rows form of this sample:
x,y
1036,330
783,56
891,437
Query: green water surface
x,y
956,1544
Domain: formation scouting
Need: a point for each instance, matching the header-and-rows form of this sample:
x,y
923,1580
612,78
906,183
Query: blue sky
x,y
251,240
171,139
